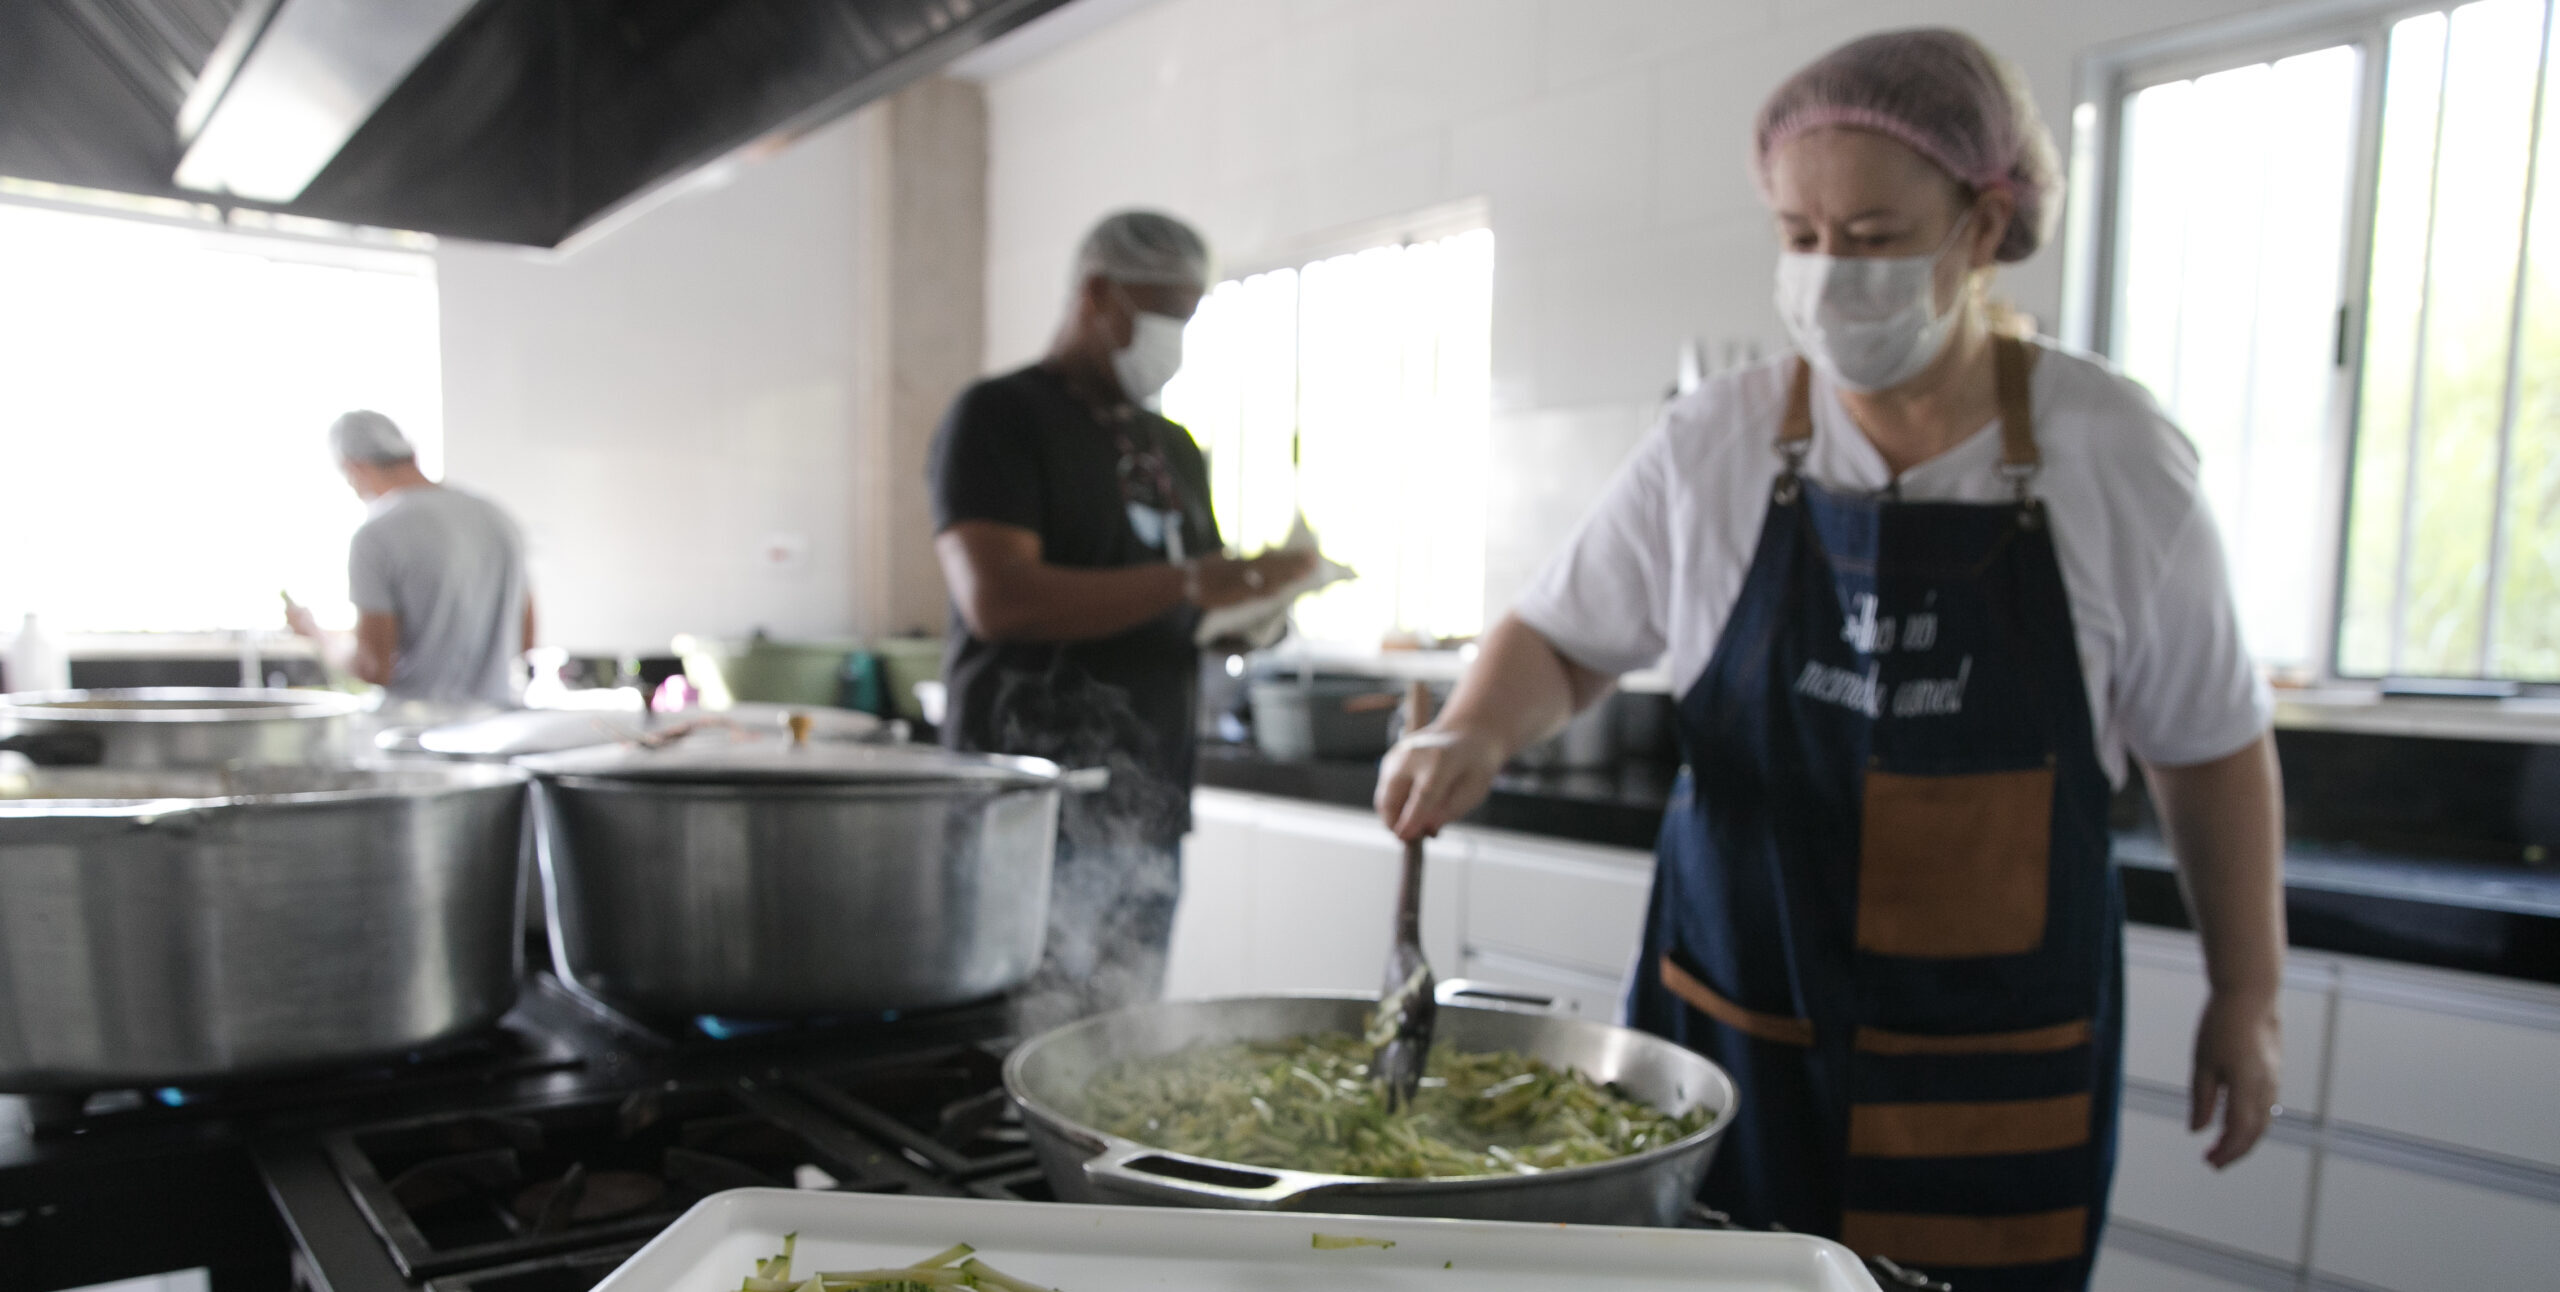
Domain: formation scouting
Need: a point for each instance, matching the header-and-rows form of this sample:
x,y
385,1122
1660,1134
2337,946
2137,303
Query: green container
x,y
780,672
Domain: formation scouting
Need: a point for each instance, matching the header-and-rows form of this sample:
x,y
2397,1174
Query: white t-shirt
x,y
1654,570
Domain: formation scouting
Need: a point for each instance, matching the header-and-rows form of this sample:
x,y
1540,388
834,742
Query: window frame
x,y
2105,78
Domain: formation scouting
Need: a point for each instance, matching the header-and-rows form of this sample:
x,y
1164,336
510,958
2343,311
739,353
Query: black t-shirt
x,y
1102,493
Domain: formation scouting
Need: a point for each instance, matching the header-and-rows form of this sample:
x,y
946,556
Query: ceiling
x,y
529,121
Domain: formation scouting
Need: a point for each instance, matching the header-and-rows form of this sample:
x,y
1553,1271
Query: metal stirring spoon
x,y
1401,1028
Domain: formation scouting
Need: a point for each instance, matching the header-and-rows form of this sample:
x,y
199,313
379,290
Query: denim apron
x,y
1883,898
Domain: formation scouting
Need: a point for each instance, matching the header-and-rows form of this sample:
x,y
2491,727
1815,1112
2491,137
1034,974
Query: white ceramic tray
x,y
1124,1249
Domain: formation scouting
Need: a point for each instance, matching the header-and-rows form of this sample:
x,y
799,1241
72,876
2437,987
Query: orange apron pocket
x,y
1954,866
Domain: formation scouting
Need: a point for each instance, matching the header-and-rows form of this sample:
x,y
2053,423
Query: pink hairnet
x,y
1944,95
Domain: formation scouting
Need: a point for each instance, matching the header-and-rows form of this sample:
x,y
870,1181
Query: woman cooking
x,y
1923,593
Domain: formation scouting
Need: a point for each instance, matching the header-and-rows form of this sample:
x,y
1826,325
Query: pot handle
x,y
1085,780
1172,1177
1486,995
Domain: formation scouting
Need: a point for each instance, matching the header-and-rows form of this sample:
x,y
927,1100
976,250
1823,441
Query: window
x,y
1355,388
2334,254
164,396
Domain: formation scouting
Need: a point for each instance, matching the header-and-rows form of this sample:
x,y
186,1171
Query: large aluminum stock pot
x,y
756,877
168,927
1048,1074
173,726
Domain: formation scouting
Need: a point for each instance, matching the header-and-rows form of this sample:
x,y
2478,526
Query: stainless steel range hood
x,y
516,121
310,73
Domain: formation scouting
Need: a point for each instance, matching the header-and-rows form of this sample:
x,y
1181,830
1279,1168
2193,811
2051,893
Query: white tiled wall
x,y
1607,136
658,404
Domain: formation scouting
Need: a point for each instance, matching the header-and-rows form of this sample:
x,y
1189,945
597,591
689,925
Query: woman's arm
x,y
2225,821
1519,691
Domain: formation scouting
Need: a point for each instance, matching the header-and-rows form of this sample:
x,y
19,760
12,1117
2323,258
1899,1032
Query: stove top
x,y
530,1158
946,1110
451,1191
534,1158
517,1047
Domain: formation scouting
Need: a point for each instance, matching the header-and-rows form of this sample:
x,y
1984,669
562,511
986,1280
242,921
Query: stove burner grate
x,y
946,1109
447,1193
497,1054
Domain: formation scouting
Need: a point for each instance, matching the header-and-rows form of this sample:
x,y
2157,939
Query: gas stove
x,y
531,1158
535,1157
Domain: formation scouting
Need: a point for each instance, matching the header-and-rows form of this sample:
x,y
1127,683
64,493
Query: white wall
x,y
658,405
1608,137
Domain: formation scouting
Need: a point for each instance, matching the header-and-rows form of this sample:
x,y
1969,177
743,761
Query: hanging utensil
x,y
1401,1027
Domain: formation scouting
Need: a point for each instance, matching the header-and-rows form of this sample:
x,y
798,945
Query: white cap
x,y
367,436
1144,249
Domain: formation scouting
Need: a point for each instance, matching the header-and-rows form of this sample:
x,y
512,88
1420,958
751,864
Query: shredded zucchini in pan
x,y
1308,1104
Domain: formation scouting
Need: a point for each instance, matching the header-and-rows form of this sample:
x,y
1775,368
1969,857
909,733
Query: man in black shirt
x,y
1074,529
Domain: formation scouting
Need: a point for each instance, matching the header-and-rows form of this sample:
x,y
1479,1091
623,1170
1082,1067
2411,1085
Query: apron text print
x,y
1919,697
1870,634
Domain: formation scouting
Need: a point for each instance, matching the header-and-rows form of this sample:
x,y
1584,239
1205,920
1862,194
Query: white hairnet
x,y
1144,249
367,436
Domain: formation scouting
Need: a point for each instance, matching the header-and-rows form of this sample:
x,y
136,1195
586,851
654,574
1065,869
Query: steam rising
x,y
1119,869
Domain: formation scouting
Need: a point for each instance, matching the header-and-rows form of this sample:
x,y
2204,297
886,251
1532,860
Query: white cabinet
x,y
2120,1270
2164,996
1282,896
2406,1231
1579,995
1323,900
2452,1060
2258,1205
2419,1150
1571,906
1208,953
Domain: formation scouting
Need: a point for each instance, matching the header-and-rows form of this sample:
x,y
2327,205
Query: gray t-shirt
x,y
451,566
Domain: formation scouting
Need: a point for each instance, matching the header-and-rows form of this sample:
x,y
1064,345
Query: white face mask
x,y
1867,322
1153,355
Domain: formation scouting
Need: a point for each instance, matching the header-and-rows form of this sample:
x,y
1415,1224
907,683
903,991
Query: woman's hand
x,y
1433,777
2239,1054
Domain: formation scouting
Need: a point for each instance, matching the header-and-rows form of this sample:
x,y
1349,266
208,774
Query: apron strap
x,y
2012,362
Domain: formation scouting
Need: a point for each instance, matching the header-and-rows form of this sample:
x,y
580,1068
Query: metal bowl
x,y
1048,1074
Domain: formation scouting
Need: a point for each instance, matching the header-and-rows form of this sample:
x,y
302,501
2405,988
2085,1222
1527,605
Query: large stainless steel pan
x,y
757,878
172,726
1047,1076
160,928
